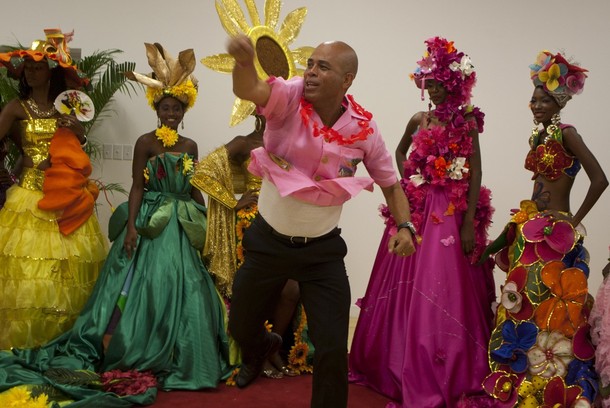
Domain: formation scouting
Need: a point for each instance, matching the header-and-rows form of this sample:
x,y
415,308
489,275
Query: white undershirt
x,y
293,217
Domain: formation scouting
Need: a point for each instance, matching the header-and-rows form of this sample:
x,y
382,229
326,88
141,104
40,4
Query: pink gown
x,y
425,320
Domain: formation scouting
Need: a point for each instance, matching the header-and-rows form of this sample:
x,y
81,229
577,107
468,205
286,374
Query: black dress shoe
x,y
249,371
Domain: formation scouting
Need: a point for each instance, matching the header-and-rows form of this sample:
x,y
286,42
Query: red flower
x,y
130,382
557,394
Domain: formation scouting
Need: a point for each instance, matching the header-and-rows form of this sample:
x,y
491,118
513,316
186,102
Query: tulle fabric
x,y
46,277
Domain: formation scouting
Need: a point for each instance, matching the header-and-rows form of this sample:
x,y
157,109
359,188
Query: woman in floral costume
x,y
425,320
155,318
540,353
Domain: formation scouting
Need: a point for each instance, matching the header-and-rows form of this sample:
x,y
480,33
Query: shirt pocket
x,y
338,161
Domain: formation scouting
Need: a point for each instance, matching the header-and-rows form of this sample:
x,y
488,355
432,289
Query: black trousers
x,y
319,268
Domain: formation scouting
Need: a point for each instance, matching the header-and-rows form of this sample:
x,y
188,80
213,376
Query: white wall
x,y
502,39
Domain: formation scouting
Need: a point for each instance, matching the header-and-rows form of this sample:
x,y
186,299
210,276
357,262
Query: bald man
x,y
314,139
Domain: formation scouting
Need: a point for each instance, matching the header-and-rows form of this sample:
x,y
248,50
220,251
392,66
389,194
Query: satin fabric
x,y
425,320
173,322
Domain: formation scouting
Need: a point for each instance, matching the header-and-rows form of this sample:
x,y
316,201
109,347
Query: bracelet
x,y
84,144
409,225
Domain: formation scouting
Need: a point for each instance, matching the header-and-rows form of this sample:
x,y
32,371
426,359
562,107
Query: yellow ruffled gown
x,y
45,277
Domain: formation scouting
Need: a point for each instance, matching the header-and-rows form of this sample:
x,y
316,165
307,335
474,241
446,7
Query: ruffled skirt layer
x,y
45,277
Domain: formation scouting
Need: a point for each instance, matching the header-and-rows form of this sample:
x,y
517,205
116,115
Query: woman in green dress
x,y
155,308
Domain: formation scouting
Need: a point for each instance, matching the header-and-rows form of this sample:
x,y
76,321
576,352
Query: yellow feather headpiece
x,y
170,77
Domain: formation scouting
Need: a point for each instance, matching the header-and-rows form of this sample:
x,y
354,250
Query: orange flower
x,y
563,311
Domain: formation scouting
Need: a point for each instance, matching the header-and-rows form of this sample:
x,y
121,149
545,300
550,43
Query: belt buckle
x,y
292,241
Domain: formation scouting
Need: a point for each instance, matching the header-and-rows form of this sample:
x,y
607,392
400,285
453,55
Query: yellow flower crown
x,y
186,93
170,77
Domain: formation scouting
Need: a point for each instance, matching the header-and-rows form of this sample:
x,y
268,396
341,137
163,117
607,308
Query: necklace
x,y
39,112
331,135
167,136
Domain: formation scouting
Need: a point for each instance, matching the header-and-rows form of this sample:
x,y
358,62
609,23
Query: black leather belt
x,y
292,239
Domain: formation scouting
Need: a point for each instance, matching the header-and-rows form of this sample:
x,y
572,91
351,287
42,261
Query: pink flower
x,y
503,385
551,239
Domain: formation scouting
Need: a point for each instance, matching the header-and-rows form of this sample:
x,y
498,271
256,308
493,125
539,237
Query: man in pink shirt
x,y
314,139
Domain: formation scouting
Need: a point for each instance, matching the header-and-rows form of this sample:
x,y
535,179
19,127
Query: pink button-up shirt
x,y
309,168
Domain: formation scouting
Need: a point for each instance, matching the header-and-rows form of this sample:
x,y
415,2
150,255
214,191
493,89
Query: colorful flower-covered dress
x,y
425,320
172,317
540,352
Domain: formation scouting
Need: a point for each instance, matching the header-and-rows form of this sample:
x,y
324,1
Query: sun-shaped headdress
x,y
273,57
170,77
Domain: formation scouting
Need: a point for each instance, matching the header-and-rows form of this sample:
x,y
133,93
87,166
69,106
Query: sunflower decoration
x,y
273,57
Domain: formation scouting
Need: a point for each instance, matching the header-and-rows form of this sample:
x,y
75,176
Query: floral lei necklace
x,y
167,136
331,135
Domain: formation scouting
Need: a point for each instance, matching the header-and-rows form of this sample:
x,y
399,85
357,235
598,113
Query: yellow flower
x,y
20,397
527,210
146,175
298,355
167,136
185,92
551,77
187,164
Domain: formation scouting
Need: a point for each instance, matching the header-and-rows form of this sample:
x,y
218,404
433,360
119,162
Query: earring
x,y
258,125
535,122
556,119
158,122
553,127
429,113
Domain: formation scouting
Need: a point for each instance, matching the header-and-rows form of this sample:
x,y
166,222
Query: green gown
x,y
172,321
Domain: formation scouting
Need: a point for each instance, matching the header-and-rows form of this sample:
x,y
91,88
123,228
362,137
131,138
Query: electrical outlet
x,y
127,152
117,152
107,152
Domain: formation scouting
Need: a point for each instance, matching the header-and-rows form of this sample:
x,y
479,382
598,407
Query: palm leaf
x,y
65,376
51,392
107,78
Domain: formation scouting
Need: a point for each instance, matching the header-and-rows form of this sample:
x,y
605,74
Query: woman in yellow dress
x,y
50,261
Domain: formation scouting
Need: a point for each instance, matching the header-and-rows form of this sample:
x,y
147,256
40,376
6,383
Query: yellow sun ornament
x,y
273,57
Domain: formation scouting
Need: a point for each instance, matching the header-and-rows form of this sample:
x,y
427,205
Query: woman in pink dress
x,y
425,320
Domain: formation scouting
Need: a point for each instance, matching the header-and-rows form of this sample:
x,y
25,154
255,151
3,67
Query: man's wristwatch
x,y
409,225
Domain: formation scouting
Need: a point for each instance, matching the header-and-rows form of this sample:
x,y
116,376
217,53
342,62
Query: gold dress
x,y
45,277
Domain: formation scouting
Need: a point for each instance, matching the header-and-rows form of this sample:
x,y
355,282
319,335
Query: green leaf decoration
x,y
536,291
518,246
66,376
495,342
53,394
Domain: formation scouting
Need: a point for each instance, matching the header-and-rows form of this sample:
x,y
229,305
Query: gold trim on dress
x,y
31,179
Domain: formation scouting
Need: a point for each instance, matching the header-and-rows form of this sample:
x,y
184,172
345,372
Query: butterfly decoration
x,y
450,240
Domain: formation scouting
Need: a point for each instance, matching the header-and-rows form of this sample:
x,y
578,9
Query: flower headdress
x,y
557,76
454,69
170,77
54,50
